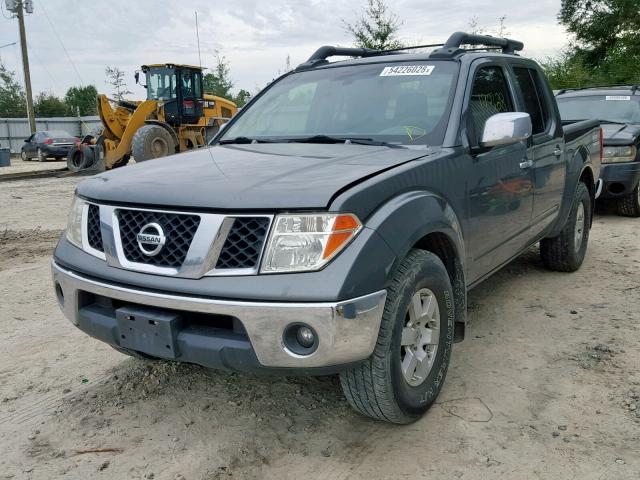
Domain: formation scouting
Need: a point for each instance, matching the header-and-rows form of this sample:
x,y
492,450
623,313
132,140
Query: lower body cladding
x,y
309,338
619,179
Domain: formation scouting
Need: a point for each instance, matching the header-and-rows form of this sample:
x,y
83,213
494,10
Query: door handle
x,y
526,164
557,152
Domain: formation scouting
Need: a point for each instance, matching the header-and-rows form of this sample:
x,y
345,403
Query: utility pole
x,y
25,68
198,37
19,7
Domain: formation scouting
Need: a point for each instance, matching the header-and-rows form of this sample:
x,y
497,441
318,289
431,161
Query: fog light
x,y
300,339
305,336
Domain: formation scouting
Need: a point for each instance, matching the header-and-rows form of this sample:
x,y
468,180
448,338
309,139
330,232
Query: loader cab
x,y
179,88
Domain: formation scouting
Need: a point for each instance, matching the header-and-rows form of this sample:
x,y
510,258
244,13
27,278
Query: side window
x,y
489,95
534,103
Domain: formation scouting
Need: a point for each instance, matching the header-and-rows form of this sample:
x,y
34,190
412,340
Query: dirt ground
x,y
19,166
546,384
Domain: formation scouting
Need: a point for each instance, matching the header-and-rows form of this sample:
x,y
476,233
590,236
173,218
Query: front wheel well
x,y
443,247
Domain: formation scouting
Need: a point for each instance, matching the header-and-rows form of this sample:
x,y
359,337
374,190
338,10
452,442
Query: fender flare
x,y
411,216
167,127
576,168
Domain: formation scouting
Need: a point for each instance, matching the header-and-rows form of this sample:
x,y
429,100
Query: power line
x,y
60,40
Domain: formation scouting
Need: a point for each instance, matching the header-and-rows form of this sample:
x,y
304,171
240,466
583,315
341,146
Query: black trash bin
x,y
5,157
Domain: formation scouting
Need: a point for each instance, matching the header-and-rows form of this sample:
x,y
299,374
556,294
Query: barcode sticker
x,y
407,70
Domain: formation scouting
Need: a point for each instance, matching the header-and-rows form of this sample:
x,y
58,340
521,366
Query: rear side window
x,y
532,93
490,95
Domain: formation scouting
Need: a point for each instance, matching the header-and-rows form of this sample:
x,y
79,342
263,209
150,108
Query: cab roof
x,y
171,65
598,90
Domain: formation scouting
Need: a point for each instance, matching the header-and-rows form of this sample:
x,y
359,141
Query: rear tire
x,y
565,252
40,156
152,141
391,385
629,206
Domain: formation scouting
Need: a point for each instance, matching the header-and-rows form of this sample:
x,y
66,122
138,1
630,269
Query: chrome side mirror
x,y
506,129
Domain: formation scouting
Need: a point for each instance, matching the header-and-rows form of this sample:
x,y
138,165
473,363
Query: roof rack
x,y
320,56
449,49
453,45
632,87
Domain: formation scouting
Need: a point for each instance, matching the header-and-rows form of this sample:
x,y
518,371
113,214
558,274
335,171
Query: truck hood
x,y
615,134
246,177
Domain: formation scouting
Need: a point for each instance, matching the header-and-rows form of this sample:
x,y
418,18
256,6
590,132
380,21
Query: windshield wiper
x,y
244,140
345,140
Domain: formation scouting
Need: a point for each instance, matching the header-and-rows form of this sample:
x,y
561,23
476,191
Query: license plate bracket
x,y
149,331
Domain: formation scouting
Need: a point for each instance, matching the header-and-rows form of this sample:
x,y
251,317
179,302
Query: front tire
x,y
629,206
402,378
23,156
565,252
152,141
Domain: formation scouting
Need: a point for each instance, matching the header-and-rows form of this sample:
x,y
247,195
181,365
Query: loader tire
x,y
151,141
79,158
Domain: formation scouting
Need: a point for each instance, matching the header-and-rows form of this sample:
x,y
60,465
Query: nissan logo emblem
x,y
151,239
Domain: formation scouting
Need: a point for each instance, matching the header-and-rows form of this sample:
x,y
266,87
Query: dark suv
x,y
337,223
618,109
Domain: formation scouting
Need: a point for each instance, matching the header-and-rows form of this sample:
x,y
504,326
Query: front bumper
x,y
620,179
347,330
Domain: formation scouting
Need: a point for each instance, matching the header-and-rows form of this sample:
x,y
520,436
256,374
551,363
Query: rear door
x,y
499,190
546,149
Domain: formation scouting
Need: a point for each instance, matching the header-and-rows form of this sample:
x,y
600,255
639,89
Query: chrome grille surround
x,y
204,250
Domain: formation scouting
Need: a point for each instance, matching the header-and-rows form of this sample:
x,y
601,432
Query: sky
x,y
71,42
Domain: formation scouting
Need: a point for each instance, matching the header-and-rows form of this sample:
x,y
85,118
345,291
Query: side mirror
x,y
137,77
27,140
506,129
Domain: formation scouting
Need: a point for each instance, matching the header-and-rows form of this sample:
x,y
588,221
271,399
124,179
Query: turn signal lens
x,y
307,242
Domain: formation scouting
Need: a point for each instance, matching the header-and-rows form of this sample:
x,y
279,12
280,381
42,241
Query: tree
x,y
81,100
115,78
377,28
219,82
566,71
48,105
12,98
242,98
603,29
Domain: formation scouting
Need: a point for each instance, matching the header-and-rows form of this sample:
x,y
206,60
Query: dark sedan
x,y
48,144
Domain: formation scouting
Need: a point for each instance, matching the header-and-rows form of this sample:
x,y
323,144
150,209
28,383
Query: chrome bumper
x,y
347,330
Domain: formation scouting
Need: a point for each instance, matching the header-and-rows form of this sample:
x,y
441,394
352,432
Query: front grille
x,y
244,243
94,234
179,230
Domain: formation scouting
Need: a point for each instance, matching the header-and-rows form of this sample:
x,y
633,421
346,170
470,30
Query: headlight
x,y
74,222
618,154
307,242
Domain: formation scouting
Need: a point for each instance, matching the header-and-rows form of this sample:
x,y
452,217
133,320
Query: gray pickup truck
x,y
618,109
336,224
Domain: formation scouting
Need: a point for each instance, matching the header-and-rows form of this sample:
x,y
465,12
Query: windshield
x,y
402,102
161,84
607,108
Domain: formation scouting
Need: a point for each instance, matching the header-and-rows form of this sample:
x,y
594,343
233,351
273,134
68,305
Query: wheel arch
x,y
424,220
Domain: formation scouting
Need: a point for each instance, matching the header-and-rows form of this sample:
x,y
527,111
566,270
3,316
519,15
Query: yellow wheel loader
x,y
176,116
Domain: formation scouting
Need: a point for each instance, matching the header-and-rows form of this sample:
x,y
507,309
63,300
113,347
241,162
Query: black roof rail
x,y
320,56
453,45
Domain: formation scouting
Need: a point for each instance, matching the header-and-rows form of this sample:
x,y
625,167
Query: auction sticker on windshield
x,y
618,97
407,70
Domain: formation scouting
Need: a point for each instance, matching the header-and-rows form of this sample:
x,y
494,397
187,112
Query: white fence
x,y
13,131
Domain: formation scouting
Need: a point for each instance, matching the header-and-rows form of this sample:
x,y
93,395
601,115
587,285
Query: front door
x,y
500,190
